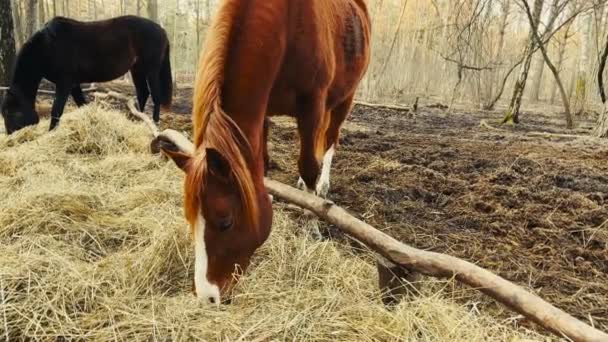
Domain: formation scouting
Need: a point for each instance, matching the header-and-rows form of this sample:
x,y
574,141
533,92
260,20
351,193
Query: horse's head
x,y
17,112
230,220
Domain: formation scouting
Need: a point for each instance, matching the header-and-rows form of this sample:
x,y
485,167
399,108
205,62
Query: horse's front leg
x,y
62,92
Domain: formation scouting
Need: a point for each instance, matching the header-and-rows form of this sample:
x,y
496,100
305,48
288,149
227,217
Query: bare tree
x,y
545,55
512,115
539,66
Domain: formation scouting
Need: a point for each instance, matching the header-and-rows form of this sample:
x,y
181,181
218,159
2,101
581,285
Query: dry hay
x,y
94,247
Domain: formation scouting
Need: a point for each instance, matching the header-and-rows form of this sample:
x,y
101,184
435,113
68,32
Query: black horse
x,y
68,52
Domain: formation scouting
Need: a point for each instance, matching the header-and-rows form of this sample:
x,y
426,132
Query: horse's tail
x,y
166,81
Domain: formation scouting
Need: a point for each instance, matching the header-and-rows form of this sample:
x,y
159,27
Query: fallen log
x,y
442,266
428,263
51,92
382,106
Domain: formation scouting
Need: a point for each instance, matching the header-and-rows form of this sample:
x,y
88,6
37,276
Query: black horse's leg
x,y
141,87
78,96
154,82
61,97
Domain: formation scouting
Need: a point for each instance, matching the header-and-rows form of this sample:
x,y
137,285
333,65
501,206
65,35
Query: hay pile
x,y
94,246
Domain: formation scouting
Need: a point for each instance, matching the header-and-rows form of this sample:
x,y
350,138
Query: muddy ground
x,y
532,208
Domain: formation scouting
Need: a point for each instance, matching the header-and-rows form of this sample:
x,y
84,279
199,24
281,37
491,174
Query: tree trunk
x,y
601,130
54,8
7,43
41,14
138,11
31,18
503,22
539,67
561,51
580,96
153,10
512,115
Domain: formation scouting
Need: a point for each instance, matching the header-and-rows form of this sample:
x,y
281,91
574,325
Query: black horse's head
x,y
17,112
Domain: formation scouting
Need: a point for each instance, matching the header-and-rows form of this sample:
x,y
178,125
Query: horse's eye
x,y
225,223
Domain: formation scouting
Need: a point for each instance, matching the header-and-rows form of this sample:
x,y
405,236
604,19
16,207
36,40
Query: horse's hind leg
x,y
141,87
311,124
78,96
154,82
332,137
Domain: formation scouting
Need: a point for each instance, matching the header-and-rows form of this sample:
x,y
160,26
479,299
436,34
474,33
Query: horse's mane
x,y
213,128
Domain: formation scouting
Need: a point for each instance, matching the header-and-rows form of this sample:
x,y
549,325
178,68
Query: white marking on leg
x,y
323,183
204,289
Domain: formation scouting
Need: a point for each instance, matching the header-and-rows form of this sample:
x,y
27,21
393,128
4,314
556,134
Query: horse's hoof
x,y
271,198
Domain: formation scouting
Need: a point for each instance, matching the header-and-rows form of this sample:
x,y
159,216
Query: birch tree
x,y
580,97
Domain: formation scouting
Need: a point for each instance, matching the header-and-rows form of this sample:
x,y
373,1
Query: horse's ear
x,y
180,159
217,164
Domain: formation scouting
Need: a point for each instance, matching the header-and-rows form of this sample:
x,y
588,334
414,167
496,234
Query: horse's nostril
x,y
211,300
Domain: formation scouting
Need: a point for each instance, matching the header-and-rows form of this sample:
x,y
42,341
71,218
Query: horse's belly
x,y
282,102
105,70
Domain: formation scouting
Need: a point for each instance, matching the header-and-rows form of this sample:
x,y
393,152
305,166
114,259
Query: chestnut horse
x,y
69,52
302,58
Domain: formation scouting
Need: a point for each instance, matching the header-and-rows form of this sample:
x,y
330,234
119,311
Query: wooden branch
x,y
132,108
441,265
556,135
384,106
486,125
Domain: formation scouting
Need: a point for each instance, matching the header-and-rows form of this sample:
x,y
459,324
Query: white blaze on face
x,y
204,289
323,183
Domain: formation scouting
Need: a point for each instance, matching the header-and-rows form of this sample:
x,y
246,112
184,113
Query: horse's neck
x,y
28,74
28,88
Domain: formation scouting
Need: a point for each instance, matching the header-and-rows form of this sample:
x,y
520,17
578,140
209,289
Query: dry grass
x,y
94,247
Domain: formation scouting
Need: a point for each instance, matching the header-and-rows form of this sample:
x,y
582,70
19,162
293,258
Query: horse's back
x,y
60,27
100,51
328,48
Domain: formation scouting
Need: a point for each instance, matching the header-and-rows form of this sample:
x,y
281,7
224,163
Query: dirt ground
x,y
532,208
